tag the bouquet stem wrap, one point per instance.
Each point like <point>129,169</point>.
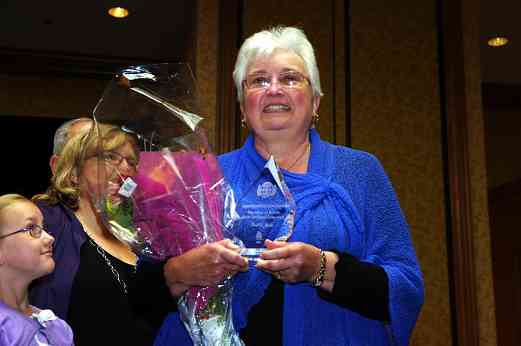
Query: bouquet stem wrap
<point>179,206</point>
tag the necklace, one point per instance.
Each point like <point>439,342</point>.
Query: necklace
<point>308,149</point>
<point>103,255</point>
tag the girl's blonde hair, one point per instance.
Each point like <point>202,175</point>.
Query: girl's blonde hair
<point>11,198</point>
<point>64,183</point>
<point>8,200</point>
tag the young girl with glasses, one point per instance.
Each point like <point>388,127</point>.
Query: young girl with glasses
<point>25,255</point>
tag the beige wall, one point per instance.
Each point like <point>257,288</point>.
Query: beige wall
<point>478,175</point>
<point>206,62</point>
<point>323,23</point>
<point>503,132</point>
<point>52,96</point>
<point>395,114</point>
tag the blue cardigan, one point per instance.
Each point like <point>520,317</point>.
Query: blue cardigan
<point>344,202</point>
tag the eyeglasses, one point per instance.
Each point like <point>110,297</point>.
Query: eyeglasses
<point>287,80</point>
<point>35,231</point>
<point>115,159</point>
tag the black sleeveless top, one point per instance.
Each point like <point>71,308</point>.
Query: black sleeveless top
<point>99,309</point>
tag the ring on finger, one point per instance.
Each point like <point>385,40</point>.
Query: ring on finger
<point>277,275</point>
<point>228,276</point>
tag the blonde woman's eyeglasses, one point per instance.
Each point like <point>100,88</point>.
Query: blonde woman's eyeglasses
<point>115,159</point>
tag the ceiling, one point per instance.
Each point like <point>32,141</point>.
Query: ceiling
<point>84,32</point>
<point>501,90</point>
<point>166,33</point>
<point>501,65</point>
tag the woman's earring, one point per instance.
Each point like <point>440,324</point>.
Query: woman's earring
<point>74,178</point>
<point>243,123</point>
<point>315,119</point>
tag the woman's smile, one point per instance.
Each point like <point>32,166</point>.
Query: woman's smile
<point>276,108</point>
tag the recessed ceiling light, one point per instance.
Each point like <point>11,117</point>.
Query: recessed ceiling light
<point>118,12</point>
<point>498,41</point>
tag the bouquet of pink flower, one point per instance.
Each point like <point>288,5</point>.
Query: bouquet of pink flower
<point>175,200</point>
<point>178,206</point>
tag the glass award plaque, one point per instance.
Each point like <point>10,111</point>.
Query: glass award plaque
<point>266,210</point>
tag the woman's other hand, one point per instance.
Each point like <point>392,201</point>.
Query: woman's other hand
<point>206,265</point>
<point>296,262</point>
<point>290,262</point>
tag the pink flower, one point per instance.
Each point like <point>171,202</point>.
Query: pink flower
<point>178,205</point>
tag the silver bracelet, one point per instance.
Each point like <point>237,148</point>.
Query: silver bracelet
<point>319,278</point>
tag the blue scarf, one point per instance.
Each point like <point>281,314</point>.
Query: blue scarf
<point>328,217</point>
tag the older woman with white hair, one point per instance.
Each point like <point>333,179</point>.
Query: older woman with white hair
<point>349,274</point>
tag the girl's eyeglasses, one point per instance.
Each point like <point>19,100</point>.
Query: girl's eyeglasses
<point>35,231</point>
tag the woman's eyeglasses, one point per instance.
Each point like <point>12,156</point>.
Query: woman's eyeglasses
<point>34,231</point>
<point>287,80</point>
<point>115,159</point>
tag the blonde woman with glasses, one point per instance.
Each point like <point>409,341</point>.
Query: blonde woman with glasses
<point>96,284</point>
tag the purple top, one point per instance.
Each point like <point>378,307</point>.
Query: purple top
<point>54,290</point>
<point>42,329</point>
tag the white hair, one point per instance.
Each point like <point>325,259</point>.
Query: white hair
<point>263,43</point>
<point>61,136</point>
